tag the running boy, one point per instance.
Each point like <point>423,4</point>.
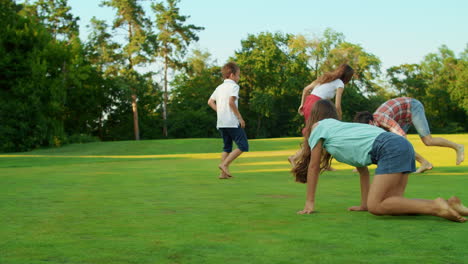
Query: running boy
<point>230,124</point>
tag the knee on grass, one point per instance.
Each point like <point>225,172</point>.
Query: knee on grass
<point>375,209</point>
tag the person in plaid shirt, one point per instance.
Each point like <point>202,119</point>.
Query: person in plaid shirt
<point>397,115</point>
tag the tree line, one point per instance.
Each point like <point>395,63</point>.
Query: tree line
<point>56,88</point>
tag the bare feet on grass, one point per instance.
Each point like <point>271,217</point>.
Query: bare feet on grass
<point>223,176</point>
<point>445,211</point>
<point>330,169</point>
<point>224,170</point>
<point>460,154</point>
<point>424,167</point>
<point>457,205</point>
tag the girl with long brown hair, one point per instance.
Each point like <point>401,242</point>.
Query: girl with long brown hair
<point>360,145</point>
<point>327,86</point>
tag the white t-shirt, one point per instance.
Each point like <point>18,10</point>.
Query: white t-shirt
<point>221,95</point>
<point>327,90</point>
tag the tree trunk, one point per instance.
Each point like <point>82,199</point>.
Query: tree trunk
<point>136,129</point>
<point>259,122</point>
<point>165,98</point>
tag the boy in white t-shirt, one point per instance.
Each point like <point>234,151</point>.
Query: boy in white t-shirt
<point>230,124</point>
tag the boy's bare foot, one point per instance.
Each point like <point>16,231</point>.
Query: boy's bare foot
<point>330,169</point>
<point>445,211</point>
<point>424,167</point>
<point>291,160</point>
<point>457,205</point>
<point>460,154</point>
<point>222,176</point>
<point>224,169</point>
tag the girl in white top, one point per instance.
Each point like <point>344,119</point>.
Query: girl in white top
<point>327,86</point>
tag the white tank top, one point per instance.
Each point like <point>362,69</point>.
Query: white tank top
<point>327,90</point>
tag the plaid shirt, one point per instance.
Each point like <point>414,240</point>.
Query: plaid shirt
<point>394,114</point>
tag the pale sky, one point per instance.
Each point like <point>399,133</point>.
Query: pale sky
<point>396,31</point>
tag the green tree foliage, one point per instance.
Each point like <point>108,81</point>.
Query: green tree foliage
<point>173,38</point>
<point>86,93</point>
<point>444,110</point>
<point>191,117</point>
<point>102,51</point>
<point>131,17</point>
<point>408,80</point>
<point>459,89</point>
<point>117,124</point>
<point>316,50</point>
<point>32,95</point>
<point>56,16</point>
<point>272,79</point>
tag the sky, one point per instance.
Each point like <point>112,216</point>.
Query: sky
<point>396,31</point>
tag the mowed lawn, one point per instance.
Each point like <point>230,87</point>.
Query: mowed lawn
<point>161,202</point>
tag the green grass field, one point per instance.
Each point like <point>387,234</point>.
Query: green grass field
<point>161,202</point>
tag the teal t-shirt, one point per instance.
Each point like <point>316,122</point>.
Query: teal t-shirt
<point>350,143</point>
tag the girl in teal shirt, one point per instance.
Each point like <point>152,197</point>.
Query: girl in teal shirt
<point>360,145</point>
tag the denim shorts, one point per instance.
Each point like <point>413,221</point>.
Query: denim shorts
<point>418,118</point>
<point>392,154</point>
<point>236,134</point>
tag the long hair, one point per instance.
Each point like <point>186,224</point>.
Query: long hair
<point>344,72</point>
<point>322,109</point>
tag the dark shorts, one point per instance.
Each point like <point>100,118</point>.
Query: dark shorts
<point>392,154</point>
<point>236,134</point>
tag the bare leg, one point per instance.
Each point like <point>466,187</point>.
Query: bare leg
<point>460,154</point>
<point>425,165</point>
<point>384,199</point>
<point>442,142</point>
<point>223,175</point>
<point>224,165</point>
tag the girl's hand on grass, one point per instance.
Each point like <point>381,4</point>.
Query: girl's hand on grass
<point>308,208</point>
<point>357,208</point>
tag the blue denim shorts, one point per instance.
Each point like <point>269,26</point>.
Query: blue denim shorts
<point>418,118</point>
<point>392,154</point>
<point>236,134</point>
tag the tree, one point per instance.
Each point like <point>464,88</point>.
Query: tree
<point>459,88</point>
<point>131,17</point>
<point>271,84</point>
<point>104,56</point>
<point>173,37</point>
<point>191,115</point>
<point>444,109</point>
<point>316,50</point>
<point>102,51</point>
<point>56,16</point>
<point>31,83</point>
<point>408,80</point>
